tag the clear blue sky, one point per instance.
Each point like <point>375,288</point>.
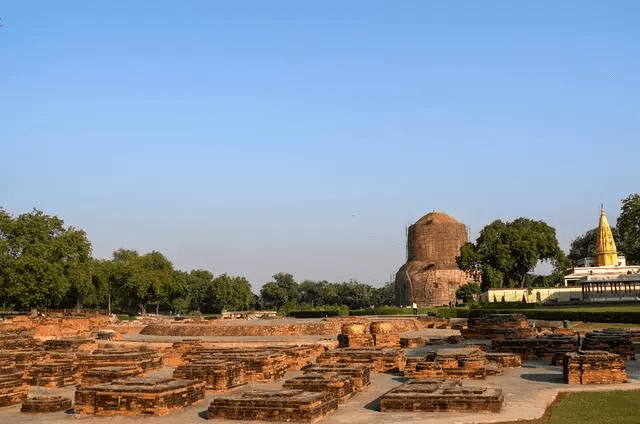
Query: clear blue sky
<point>255,137</point>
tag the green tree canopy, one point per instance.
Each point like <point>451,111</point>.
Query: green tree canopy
<point>41,260</point>
<point>506,252</point>
<point>584,246</point>
<point>231,293</point>
<point>628,225</point>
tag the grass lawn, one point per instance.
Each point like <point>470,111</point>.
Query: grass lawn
<point>615,407</point>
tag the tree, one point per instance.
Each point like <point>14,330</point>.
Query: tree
<point>506,252</point>
<point>141,280</point>
<point>466,292</point>
<point>41,260</point>
<point>628,225</point>
<point>231,293</point>
<point>584,246</point>
<point>281,291</point>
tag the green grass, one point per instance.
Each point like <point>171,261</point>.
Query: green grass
<point>615,407</point>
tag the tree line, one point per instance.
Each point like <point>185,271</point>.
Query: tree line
<point>44,264</point>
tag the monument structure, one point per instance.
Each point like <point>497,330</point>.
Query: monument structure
<point>431,275</point>
<point>605,277</point>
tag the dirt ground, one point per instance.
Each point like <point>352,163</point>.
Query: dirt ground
<point>528,391</point>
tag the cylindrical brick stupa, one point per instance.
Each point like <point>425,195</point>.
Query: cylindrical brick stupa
<point>431,275</point>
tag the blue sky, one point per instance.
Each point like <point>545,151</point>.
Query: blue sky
<point>256,137</point>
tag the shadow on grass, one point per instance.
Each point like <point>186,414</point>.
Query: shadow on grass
<point>544,378</point>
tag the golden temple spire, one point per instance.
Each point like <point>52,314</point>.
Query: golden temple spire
<point>605,246</point>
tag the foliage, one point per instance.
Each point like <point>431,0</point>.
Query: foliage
<point>466,292</point>
<point>231,293</point>
<point>506,252</point>
<point>584,246</point>
<point>41,260</point>
<point>279,292</point>
<point>628,225</point>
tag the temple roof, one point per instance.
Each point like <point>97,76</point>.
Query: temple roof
<point>605,246</point>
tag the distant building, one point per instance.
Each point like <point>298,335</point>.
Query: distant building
<point>605,277</point>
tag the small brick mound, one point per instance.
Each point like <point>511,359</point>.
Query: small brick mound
<point>45,404</point>
<point>441,396</point>
<point>547,347</point>
<point>218,375</point>
<point>504,359</point>
<point>355,335</point>
<point>499,326</point>
<point>52,374</point>
<point>258,365</point>
<point>593,367</point>
<point>138,396</point>
<point>384,334</point>
<point>340,386</point>
<point>107,374</point>
<point>379,359</point>
<point>13,389</point>
<point>106,334</point>
<point>22,358</point>
<point>454,363</point>
<point>610,340</point>
<point>278,406</point>
<point>434,322</point>
<point>18,340</point>
<point>360,374</point>
<point>119,357</point>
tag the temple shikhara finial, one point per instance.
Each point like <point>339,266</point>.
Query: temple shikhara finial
<point>605,246</point>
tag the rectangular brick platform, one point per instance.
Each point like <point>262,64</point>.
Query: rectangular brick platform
<point>441,396</point>
<point>379,359</point>
<point>593,367</point>
<point>138,396</point>
<point>340,386</point>
<point>359,374</point>
<point>278,406</point>
<point>218,375</point>
<point>454,363</point>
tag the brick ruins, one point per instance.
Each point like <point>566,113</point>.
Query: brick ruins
<point>340,386</point>
<point>593,367</point>
<point>610,340</point>
<point>455,363</point>
<point>378,333</point>
<point>13,388</point>
<point>278,406</point>
<point>499,326</point>
<point>551,347</point>
<point>433,395</point>
<point>40,404</point>
<point>360,374</point>
<point>379,359</point>
<point>138,396</point>
<point>431,275</point>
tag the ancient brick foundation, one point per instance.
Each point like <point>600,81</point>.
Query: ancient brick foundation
<point>610,340</point>
<point>593,367</point>
<point>13,389</point>
<point>100,375</point>
<point>360,374</point>
<point>504,359</point>
<point>40,404</point>
<point>339,386</point>
<point>278,406</point>
<point>379,359</point>
<point>441,396</point>
<point>138,396</point>
<point>461,363</point>
<point>218,375</point>
<point>547,347</point>
<point>499,326</point>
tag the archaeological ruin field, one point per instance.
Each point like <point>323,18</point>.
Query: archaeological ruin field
<point>262,368</point>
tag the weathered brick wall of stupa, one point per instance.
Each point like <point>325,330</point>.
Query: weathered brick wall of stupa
<point>431,276</point>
